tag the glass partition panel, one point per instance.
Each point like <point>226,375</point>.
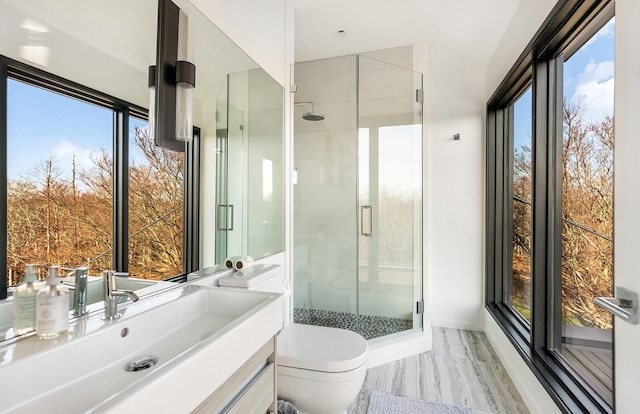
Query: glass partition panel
<point>325,193</point>
<point>390,198</point>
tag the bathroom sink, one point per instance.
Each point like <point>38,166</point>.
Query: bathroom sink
<point>197,336</point>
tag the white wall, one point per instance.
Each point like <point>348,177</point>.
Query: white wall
<point>627,197</point>
<point>454,177</point>
<point>258,27</point>
<point>524,24</point>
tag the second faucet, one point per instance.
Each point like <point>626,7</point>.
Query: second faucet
<point>111,294</point>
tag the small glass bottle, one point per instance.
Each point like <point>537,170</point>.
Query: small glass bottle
<point>24,302</point>
<point>52,307</point>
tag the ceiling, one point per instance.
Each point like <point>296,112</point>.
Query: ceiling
<point>471,28</point>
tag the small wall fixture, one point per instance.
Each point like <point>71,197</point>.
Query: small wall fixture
<point>174,79</point>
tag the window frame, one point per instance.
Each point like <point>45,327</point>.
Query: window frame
<point>122,110</point>
<point>569,25</point>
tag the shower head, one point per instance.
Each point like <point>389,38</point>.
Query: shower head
<point>310,116</point>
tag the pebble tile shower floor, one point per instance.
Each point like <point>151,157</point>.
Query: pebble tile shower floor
<point>370,326</point>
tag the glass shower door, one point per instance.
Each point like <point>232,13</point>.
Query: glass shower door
<point>390,198</point>
<point>325,194</point>
<point>222,159</point>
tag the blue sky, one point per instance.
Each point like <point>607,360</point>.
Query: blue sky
<point>42,124</point>
<point>588,77</point>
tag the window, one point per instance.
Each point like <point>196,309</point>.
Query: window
<point>59,181</point>
<point>84,185</point>
<point>520,287</point>
<point>550,205</point>
<point>156,206</point>
<point>587,211</point>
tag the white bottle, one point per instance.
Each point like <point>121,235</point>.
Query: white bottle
<point>24,302</point>
<point>52,307</point>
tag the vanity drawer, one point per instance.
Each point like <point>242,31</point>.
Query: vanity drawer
<point>258,397</point>
<point>251,389</point>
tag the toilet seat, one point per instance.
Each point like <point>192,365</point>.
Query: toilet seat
<point>320,349</point>
<point>321,376</point>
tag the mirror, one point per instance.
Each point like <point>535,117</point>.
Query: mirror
<point>108,47</point>
<point>249,195</point>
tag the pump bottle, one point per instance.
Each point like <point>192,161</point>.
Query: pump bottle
<point>24,302</point>
<point>52,307</point>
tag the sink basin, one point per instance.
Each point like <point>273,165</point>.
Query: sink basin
<point>198,336</point>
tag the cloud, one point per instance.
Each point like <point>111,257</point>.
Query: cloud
<point>64,152</point>
<point>594,90</point>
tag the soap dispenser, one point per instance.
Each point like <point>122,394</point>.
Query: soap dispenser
<point>24,302</point>
<point>52,307</point>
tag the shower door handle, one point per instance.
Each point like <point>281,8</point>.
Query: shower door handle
<point>369,232</point>
<point>230,227</point>
<point>219,212</point>
<point>223,211</point>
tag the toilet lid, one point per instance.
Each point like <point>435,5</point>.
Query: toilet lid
<point>320,348</point>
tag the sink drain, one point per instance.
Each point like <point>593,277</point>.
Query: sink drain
<point>141,363</point>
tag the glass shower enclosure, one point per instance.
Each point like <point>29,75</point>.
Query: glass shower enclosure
<point>358,196</point>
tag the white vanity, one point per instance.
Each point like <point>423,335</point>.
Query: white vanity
<point>188,348</point>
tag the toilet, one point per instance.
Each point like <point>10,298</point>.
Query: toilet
<point>319,369</point>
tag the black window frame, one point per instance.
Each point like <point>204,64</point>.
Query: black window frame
<point>569,25</point>
<point>122,110</point>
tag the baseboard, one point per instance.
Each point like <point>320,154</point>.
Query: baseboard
<point>468,326</point>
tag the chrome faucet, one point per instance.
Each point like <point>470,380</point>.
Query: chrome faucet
<point>79,290</point>
<point>111,294</point>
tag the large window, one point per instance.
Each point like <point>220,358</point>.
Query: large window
<point>59,181</point>
<point>85,186</point>
<point>550,205</point>
<point>587,210</point>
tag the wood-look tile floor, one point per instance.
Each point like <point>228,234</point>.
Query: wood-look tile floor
<point>462,369</point>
